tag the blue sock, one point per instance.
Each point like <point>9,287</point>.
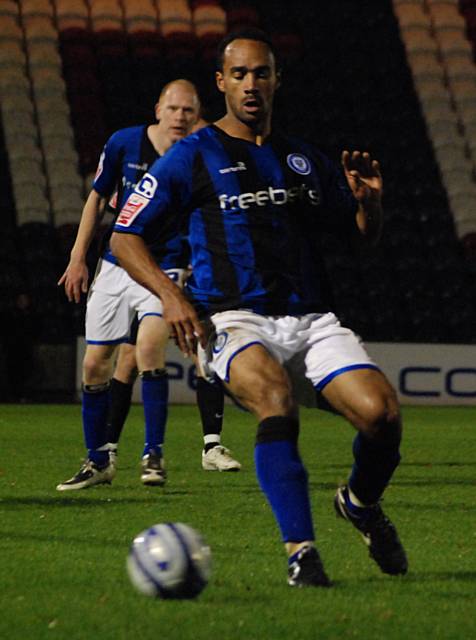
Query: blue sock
<point>283,478</point>
<point>155,396</point>
<point>375,461</point>
<point>95,407</point>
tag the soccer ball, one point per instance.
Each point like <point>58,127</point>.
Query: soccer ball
<point>169,560</point>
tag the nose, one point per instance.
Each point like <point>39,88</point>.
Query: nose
<point>250,82</point>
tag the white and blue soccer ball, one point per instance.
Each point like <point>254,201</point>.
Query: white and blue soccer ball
<point>169,560</point>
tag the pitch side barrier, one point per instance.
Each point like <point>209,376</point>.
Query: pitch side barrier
<point>423,374</point>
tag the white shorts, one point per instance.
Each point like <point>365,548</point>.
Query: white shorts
<point>315,348</point>
<point>114,299</point>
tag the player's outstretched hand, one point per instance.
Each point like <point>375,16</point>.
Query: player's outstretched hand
<point>185,327</point>
<point>363,175</point>
<point>75,280</point>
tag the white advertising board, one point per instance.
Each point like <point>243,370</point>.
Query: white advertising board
<point>424,374</point>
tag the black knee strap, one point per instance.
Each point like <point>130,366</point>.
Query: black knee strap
<point>277,428</point>
<point>153,374</point>
<point>96,388</point>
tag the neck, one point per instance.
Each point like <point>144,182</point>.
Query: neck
<point>238,129</point>
<point>160,142</point>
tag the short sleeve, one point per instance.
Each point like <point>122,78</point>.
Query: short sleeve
<point>105,180</point>
<point>164,190</point>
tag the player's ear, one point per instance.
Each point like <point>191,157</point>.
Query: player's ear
<point>278,78</point>
<point>220,81</point>
<point>157,110</point>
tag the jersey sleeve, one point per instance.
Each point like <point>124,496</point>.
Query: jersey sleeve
<point>163,191</point>
<point>105,180</point>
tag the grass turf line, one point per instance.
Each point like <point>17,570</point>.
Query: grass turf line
<point>63,555</point>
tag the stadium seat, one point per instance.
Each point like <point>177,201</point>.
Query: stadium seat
<point>140,15</point>
<point>44,55</point>
<point>71,14</point>
<point>11,55</point>
<point>39,29</point>
<point>106,15</point>
<point>445,16</point>
<point>36,8</point>
<point>411,16</point>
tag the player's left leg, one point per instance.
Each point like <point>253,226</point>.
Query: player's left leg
<point>152,340</point>
<point>366,398</point>
<point>120,395</point>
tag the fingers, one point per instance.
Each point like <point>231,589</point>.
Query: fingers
<point>62,279</point>
<point>185,337</point>
<point>187,334</point>
<point>359,163</point>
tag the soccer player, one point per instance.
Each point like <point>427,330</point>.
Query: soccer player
<point>114,299</point>
<point>253,202</point>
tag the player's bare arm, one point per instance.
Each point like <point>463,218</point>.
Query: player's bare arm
<point>135,258</point>
<point>364,178</point>
<point>75,277</point>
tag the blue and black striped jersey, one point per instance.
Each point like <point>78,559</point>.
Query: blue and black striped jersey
<point>252,215</point>
<point>126,157</point>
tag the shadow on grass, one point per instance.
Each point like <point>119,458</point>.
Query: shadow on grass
<point>62,539</point>
<point>460,507</point>
<point>79,501</point>
<point>423,465</point>
<point>414,577</point>
<point>433,482</point>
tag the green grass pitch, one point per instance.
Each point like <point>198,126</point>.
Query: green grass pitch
<point>62,556</point>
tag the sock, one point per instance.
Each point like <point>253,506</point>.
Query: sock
<point>283,478</point>
<point>296,555</point>
<point>95,405</point>
<point>211,440</point>
<point>211,401</point>
<point>353,504</point>
<point>375,462</point>
<point>120,402</point>
<point>155,395</point>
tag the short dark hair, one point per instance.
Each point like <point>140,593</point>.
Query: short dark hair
<point>245,33</point>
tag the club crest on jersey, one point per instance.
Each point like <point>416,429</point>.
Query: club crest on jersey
<point>299,163</point>
<point>134,205</point>
<point>147,186</point>
<point>220,342</point>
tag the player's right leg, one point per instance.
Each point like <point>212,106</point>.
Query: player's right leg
<point>260,383</point>
<point>97,469</point>
<point>108,320</point>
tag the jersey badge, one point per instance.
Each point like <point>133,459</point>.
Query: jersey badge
<point>299,163</point>
<point>147,186</point>
<point>220,342</point>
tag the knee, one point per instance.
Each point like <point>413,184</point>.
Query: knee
<point>150,355</point>
<point>273,396</point>
<point>95,370</point>
<point>380,418</point>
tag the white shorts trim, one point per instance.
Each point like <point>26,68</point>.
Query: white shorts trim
<point>313,347</point>
<point>114,299</point>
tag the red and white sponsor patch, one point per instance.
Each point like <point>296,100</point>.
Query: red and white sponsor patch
<point>133,206</point>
